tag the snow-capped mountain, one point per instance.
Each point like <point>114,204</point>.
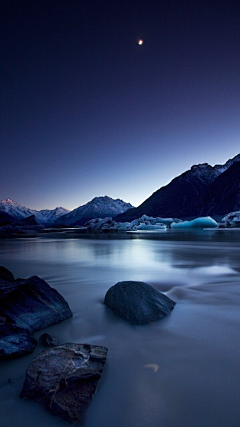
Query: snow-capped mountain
<point>45,216</point>
<point>99,207</point>
<point>200,191</point>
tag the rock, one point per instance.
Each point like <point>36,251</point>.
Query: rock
<point>138,302</point>
<point>5,274</point>
<point>32,303</point>
<point>64,378</point>
<point>47,340</point>
<point>15,341</point>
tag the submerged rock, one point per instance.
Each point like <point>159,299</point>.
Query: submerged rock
<point>32,303</point>
<point>47,340</point>
<point>138,302</point>
<point>64,378</point>
<point>15,341</point>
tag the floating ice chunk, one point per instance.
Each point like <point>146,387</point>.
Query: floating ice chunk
<point>232,219</point>
<point>202,222</point>
<point>151,220</point>
<point>149,227</point>
<point>145,223</point>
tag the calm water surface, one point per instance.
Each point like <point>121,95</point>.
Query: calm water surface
<point>195,350</point>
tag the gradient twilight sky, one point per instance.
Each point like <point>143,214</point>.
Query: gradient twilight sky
<point>86,111</point>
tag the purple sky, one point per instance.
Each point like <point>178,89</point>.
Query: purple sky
<point>86,111</point>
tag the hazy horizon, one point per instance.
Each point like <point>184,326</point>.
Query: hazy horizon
<point>101,195</point>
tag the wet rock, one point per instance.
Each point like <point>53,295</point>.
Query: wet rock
<point>64,378</point>
<point>15,341</point>
<point>32,303</point>
<point>47,340</point>
<point>5,274</point>
<point>138,302</point>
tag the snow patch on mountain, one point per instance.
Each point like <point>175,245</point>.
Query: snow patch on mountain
<point>45,216</point>
<point>207,173</point>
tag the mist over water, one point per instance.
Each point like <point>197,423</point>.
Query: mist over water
<point>182,371</point>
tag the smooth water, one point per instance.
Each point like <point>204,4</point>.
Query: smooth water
<point>182,371</point>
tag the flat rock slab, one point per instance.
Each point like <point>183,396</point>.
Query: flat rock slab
<point>15,341</point>
<point>31,303</point>
<point>138,302</point>
<point>64,378</point>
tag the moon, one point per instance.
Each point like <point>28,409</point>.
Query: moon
<point>140,42</point>
<point>153,366</point>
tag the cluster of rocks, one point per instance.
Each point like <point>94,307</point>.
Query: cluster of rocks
<point>64,377</point>
<point>26,305</point>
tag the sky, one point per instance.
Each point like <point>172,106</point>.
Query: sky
<point>86,111</point>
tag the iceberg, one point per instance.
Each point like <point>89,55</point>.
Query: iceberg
<point>150,227</point>
<point>148,223</point>
<point>145,223</point>
<point>200,223</point>
<point>232,219</point>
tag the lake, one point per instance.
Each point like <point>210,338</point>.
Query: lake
<point>182,371</point>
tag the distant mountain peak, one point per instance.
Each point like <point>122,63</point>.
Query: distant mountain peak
<point>19,212</point>
<point>98,207</point>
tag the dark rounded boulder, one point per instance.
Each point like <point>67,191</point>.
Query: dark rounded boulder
<point>138,302</point>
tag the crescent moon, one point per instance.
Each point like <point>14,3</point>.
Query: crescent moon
<point>153,366</point>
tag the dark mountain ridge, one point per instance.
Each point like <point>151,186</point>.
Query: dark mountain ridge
<point>200,191</point>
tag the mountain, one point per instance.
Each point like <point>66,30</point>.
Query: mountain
<point>99,207</point>
<point>202,190</point>
<point>19,212</point>
<point>5,218</point>
<point>223,195</point>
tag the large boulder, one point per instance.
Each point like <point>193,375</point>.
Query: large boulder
<point>138,302</point>
<point>15,341</point>
<point>64,378</point>
<point>31,303</point>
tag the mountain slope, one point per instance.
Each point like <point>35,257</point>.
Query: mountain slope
<point>186,195</point>
<point>223,195</point>
<point>99,207</point>
<point>18,212</point>
<point>5,218</point>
